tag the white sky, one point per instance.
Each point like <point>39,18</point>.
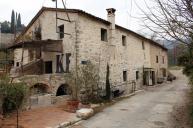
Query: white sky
<point>126,9</point>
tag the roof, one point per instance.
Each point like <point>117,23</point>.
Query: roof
<point>89,15</point>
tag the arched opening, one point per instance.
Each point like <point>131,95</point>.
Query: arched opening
<point>64,89</point>
<point>39,88</point>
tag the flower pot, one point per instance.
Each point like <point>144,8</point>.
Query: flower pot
<point>72,105</point>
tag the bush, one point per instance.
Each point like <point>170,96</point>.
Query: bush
<point>12,94</point>
<point>191,79</point>
<point>87,77</point>
<point>188,69</point>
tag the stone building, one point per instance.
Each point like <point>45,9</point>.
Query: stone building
<point>6,39</point>
<point>51,47</point>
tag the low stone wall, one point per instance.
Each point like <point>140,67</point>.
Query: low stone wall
<point>46,100</point>
<point>60,99</point>
<point>125,88</point>
<point>40,100</point>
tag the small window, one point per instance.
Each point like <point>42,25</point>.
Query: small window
<point>137,75</point>
<point>48,67</point>
<point>17,64</point>
<point>124,75</point>
<point>104,34</point>
<point>124,40</point>
<point>163,60</point>
<point>157,59</point>
<point>143,45</point>
<point>61,31</point>
<point>84,62</point>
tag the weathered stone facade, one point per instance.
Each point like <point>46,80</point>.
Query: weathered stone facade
<point>126,52</point>
<point>6,39</point>
<point>159,61</point>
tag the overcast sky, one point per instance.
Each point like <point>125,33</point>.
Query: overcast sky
<point>126,9</point>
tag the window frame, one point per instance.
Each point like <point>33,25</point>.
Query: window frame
<point>157,59</point>
<point>104,35</point>
<point>124,40</point>
<point>143,45</point>
<point>17,64</point>
<point>61,33</point>
<point>124,76</point>
<point>137,75</point>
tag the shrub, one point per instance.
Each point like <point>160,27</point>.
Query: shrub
<point>12,94</point>
<point>188,69</point>
<point>87,78</point>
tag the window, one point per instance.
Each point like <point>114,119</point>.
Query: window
<point>163,59</point>
<point>17,64</point>
<point>104,34</point>
<point>124,75</point>
<point>48,67</point>
<point>157,59</point>
<point>137,75</point>
<point>143,45</point>
<point>84,62</point>
<point>124,40</point>
<point>61,31</point>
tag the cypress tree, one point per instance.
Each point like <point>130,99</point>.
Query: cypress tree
<point>12,21</point>
<point>108,88</point>
<point>19,21</point>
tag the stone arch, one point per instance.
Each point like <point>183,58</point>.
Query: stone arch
<point>63,89</point>
<point>39,88</point>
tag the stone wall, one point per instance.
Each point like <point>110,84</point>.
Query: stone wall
<point>162,64</point>
<point>6,38</point>
<point>130,58</point>
<point>51,82</point>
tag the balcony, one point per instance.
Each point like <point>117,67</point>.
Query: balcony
<point>32,56</point>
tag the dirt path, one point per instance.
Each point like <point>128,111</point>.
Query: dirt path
<point>157,107</point>
<point>39,118</point>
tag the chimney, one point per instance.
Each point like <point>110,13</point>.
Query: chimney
<point>111,17</point>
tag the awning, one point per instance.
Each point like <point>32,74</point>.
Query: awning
<point>45,45</point>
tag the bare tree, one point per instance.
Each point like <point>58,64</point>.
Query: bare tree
<point>171,19</point>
